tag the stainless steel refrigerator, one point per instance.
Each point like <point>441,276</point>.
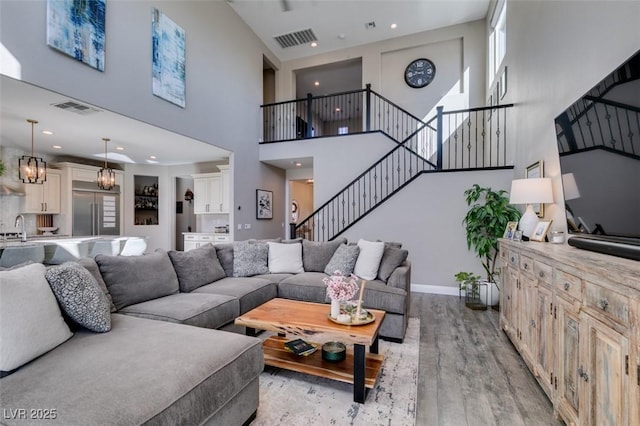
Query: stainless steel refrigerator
<point>95,211</point>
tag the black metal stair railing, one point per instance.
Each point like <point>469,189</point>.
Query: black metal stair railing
<point>337,114</point>
<point>593,123</point>
<point>460,140</point>
<point>474,138</point>
<point>366,192</point>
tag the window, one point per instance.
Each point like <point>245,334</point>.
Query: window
<point>497,39</point>
<point>343,130</point>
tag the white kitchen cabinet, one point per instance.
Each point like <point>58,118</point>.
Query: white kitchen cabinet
<point>195,240</point>
<point>45,198</point>
<point>211,192</point>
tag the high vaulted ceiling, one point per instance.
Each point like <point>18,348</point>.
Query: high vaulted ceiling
<point>338,24</point>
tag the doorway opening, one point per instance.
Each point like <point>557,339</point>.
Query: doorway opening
<point>301,204</point>
<point>185,216</point>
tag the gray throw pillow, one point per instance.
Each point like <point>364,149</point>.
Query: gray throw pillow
<point>250,259</point>
<point>225,256</point>
<point>80,296</point>
<point>90,265</point>
<point>197,267</point>
<point>343,260</point>
<point>316,255</point>
<point>391,259</point>
<point>135,279</point>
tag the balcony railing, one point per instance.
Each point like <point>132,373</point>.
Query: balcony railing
<point>351,112</point>
<point>452,140</point>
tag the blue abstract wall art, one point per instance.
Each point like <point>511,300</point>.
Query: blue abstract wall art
<point>168,59</point>
<point>76,28</point>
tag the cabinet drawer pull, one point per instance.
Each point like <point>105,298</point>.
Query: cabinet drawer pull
<point>526,266</point>
<point>513,259</point>
<point>603,304</point>
<point>541,274</point>
<point>566,286</point>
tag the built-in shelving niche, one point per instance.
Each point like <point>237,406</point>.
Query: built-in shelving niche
<point>145,200</point>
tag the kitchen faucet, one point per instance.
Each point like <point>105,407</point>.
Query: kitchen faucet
<point>23,228</point>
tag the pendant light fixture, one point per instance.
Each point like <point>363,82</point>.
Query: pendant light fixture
<point>32,169</point>
<point>106,176</point>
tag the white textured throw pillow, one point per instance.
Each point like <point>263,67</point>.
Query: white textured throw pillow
<point>369,259</point>
<point>30,320</point>
<point>285,258</point>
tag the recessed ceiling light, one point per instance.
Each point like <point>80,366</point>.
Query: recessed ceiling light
<point>298,164</point>
<point>120,148</point>
<point>47,132</point>
<point>341,36</point>
<point>56,147</point>
<point>394,26</point>
<point>337,109</point>
<point>153,157</point>
<point>314,44</point>
<point>317,83</point>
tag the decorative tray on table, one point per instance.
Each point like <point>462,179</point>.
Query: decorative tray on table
<point>368,319</point>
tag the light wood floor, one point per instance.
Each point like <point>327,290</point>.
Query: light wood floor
<point>469,373</point>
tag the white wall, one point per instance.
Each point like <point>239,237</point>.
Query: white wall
<point>223,81</point>
<point>426,217</point>
<point>336,160</point>
<point>457,51</point>
<point>556,51</point>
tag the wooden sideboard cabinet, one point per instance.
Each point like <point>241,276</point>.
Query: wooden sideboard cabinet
<point>574,317</point>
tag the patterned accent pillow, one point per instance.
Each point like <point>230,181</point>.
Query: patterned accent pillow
<point>250,259</point>
<point>80,296</point>
<point>343,260</point>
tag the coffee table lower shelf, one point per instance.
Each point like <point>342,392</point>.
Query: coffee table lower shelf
<point>276,355</point>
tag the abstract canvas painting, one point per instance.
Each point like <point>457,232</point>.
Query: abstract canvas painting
<point>168,59</point>
<point>76,28</point>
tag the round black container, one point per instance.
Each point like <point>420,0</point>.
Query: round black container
<point>334,351</point>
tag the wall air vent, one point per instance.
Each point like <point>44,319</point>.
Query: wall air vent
<point>76,107</point>
<point>296,38</point>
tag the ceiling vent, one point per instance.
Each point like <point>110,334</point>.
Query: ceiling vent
<point>76,107</point>
<point>296,38</point>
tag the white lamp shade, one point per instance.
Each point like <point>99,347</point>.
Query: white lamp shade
<point>570,187</point>
<point>531,191</point>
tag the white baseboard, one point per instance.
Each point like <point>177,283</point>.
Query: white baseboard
<point>435,289</point>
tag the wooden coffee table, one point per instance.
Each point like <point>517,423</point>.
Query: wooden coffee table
<point>310,321</point>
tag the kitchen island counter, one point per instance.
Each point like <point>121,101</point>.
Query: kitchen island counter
<point>58,249</point>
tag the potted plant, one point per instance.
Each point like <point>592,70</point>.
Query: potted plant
<point>485,222</point>
<point>468,281</point>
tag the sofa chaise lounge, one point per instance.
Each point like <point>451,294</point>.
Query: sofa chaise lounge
<point>152,369</point>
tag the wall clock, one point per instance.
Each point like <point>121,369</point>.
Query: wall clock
<point>419,73</point>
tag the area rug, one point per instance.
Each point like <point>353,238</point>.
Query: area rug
<point>290,398</point>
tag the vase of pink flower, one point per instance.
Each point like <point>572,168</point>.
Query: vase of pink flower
<point>340,289</point>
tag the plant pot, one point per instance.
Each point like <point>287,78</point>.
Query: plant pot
<point>490,297</point>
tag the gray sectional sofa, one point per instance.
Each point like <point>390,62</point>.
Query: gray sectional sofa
<point>151,369</point>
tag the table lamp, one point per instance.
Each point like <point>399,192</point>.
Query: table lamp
<point>529,192</point>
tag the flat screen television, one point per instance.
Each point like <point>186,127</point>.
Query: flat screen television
<point>599,145</point>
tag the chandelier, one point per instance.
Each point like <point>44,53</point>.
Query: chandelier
<point>32,169</point>
<point>106,176</point>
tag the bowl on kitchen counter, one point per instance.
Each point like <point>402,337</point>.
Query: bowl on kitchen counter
<point>48,230</point>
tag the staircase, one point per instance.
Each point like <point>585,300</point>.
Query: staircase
<point>470,139</point>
